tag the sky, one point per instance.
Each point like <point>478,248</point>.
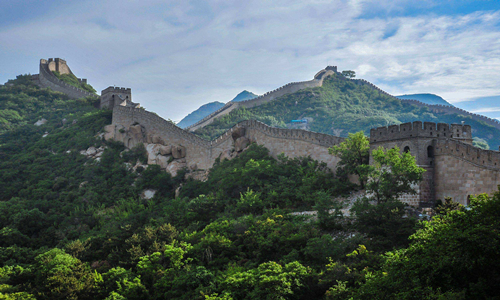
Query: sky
<point>179,55</point>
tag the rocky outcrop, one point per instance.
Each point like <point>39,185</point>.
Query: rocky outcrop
<point>171,158</point>
<point>40,122</point>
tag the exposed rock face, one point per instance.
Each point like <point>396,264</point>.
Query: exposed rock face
<point>148,194</point>
<point>40,122</point>
<point>153,151</point>
<point>175,167</point>
<point>166,150</point>
<point>168,157</point>
<point>238,132</point>
<point>93,152</point>
<point>162,161</point>
<point>178,151</point>
<point>241,143</point>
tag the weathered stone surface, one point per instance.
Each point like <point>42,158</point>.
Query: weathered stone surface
<point>193,167</point>
<point>166,150</point>
<point>156,139</point>
<point>153,151</point>
<point>120,134</point>
<point>91,151</point>
<point>148,194</point>
<point>175,167</point>
<point>40,122</point>
<point>238,132</point>
<point>109,132</point>
<point>226,154</point>
<point>241,143</point>
<point>178,151</point>
<point>162,161</point>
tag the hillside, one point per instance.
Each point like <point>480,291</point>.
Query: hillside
<point>426,98</point>
<point>245,95</point>
<point>211,107</point>
<point>200,113</point>
<point>73,223</point>
<point>341,106</point>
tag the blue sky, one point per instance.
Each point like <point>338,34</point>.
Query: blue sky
<point>179,55</point>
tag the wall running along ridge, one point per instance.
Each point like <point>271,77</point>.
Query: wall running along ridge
<point>202,153</point>
<point>289,88</point>
<point>435,108</point>
<point>46,79</point>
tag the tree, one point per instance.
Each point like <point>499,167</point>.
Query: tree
<point>455,256</point>
<point>392,174</point>
<point>354,155</point>
<point>349,73</point>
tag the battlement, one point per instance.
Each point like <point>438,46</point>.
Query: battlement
<point>116,96</point>
<point>331,68</point>
<point>426,130</point>
<point>112,89</point>
<point>46,79</point>
<point>288,88</point>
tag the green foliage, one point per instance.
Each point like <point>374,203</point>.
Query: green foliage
<point>452,257</point>
<point>354,155</point>
<point>349,74</point>
<point>340,107</point>
<point>72,227</point>
<point>392,174</point>
<point>73,80</point>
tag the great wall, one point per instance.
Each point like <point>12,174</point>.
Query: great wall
<point>454,167</point>
<point>46,79</point>
<point>289,88</point>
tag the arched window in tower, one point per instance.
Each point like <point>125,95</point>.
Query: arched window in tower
<point>406,149</point>
<point>430,152</point>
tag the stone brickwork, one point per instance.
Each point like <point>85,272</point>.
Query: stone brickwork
<point>117,96</point>
<point>454,168</point>
<point>435,108</point>
<point>46,79</point>
<point>201,154</point>
<point>289,88</point>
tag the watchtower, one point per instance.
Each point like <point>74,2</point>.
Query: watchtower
<point>421,140</point>
<point>113,96</point>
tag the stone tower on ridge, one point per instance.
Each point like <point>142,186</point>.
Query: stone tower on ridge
<point>117,96</point>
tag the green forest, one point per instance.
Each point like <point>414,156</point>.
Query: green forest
<point>72,227</point>
<point>341,106</point>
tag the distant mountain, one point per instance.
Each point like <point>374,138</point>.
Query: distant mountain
<point>245,95</point>
<point>209,108</point>
<point>488,106</point>
<point>342,106</point>
<point>426,98</point>
<point>200,113</point>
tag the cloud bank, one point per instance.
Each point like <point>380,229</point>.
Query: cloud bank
<point>177,56</point>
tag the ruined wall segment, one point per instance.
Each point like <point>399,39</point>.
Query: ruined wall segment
<point>117,96</point>
<point>435,108</point>
<point>454,167</point>
<point>289,88</point>
<point>46,79</point>
<point>463,170</point>
<point>202,153</point>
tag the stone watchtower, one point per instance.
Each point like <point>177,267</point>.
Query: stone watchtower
<point>421,141</point>
<point>114,96</point>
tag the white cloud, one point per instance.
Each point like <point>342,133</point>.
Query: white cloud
<point>177,56</point>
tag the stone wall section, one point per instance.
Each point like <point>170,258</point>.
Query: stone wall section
<point>203,153</point>
<point>454,168</point>
<point>46,79</point>
<point>289,88</point>
<point>435,108</point>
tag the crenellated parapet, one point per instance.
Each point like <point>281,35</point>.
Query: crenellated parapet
<point>288,88</point>
<point>435,108</point>
<point>481,158</point>
<point>46,79</point>
<point>416,129</point>
<point>117,96</point>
